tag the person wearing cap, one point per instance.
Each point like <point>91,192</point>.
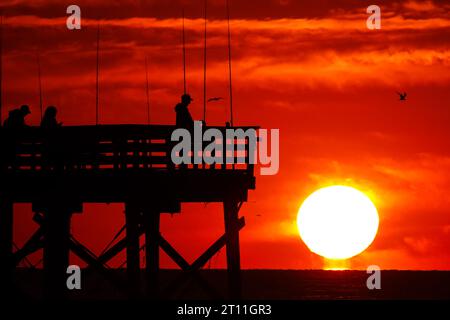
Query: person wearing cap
<point>15,121</point>
<point>184,118</point>
<point>16,118</point>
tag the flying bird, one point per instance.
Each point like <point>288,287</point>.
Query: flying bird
<point>402,96</point>
<point>215,99</point>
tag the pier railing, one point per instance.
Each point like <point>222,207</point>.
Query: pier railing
<point>111,147</point>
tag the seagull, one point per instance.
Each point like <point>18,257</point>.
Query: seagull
<point>215,99</point>
<point>402,96</point>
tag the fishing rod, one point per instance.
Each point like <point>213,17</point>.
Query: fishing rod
<point>1,68</point>
<point>184,57</point>
<point>147,91</point>
<point>38,60</point>
<point>97,77</point>
<point>204,64</point>
<point>229,64</point>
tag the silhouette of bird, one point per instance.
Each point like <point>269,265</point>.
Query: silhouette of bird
<point>215,99</point>
<point>402,96</point>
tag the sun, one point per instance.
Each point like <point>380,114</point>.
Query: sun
<point>337,222</point>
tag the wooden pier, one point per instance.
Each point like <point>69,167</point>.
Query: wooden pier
<point>59,171</point>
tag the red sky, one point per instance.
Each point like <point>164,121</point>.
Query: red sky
<point>310,68</point>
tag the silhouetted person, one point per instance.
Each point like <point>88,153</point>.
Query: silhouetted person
<point>15,122</point>
<point>52,159</point>
<point>49,120</point>
<point>16,118</point>
<point>184,118</point>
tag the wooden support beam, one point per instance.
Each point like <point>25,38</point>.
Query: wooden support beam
<point>198,264</point>
<point>173,254</point>
<point>113,251</point>
<point>231,217</point>
<point>85,254</point>
<point>152,235</point>
<point>117,248</point>
<point>132,217</point>
<point>6,244</point>
<point>33,244</point>
<point>56,250</point>
<point>214,248</point>
<point>91,259</point>
<point>36,242</point>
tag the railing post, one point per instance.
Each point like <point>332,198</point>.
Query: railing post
<point>147,155</point>
<point>225,149</point>
<point>96,144</point>
<point>123,153</point>
<point>132,215</point>
<point>116,154</point>
<point>231,217</point>
<point>6,244</point>
<point>136,145</point>
<point>56,249</point>
<point>152,235</point>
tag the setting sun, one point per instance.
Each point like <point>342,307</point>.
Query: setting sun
<point>337,222</point>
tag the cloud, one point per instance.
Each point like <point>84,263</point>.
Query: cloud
<point>304,52</point>
<point>314,71</point>
<point>341,22</point>
<point>421,6</point>
<point>421,246</point>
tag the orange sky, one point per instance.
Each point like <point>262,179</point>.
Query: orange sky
<point>310,68</point>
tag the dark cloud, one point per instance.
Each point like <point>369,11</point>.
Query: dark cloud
<point>272,9</point>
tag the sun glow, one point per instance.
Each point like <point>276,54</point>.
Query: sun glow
<point>337,222</point>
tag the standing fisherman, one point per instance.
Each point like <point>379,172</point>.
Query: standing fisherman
<point>184,118</point>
